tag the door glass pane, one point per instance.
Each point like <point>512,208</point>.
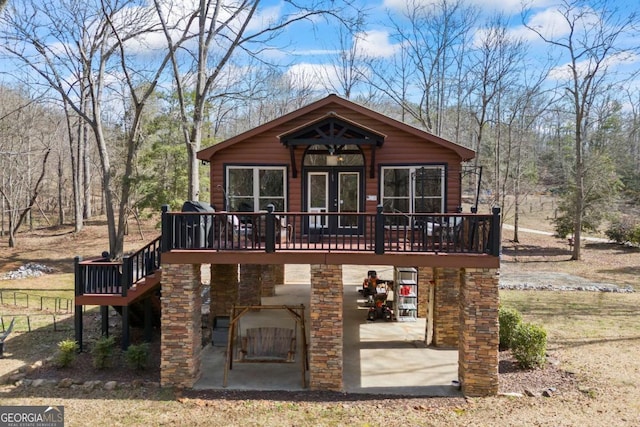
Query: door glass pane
<point>348,192</point>
<point>318,198</point>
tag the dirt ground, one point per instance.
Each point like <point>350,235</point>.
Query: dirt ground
<point>592,370</point>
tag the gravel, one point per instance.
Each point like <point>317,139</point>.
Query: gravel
<point>30,269</point>
<point>552,281</point>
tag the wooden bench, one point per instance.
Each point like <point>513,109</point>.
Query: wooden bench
<point>268,344</point>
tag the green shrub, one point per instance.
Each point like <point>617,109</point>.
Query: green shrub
<point>620,231</point>
<point>137,356</point>
<point>102,352</point>
<point>635,235</point>
<point>66,353</point>
<point>529,345</point>
<point>509,319</point>
<point>563,226</point>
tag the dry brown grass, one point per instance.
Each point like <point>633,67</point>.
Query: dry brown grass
<point>595,336</point>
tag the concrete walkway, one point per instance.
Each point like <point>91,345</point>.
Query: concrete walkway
<point>379,357</point>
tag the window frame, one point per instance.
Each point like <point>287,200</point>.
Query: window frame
<point>412,185</point>
<point>257,198</point>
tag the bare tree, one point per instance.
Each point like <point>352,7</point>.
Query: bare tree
<point>221,29</point>
<point>593,43</point>
<point>495,68</point>
<point>86,46</point>
<point>346,70</point>
<point>432,35</point>
<point>26,142</point>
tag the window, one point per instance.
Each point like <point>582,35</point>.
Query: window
<point>413,189</point>
<point>251,189</point>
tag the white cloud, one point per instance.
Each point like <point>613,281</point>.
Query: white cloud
<point>375,44</point>
<point>549,23</point>
<point>507,6</point>
<point>312,76</point>
<point>614,62</point>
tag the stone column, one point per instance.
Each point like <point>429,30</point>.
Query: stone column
<point>278,274</point>
<point>425,276</point>
<point>223,290</point>
<point>250,284</point>
<point>325,344</point>
<point>181,334</point>
<point>479,335</point>
<point>269,280</point>
<point>446,311</point>
<point>426,292</point>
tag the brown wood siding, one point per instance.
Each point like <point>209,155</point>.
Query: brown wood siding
<point>400,148</point>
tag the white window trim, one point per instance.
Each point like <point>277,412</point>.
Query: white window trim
<point>256,182</point>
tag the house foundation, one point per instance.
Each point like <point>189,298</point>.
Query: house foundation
<point>181,319</point>
<point>326,329</point>
<point>223,290</point>
<point>446,307</point>
<point>250,284</point>
<point>479,339</point>
<point>269,280</point>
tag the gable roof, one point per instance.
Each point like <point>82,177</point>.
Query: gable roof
<point>463,152</point>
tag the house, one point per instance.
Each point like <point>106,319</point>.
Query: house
<point>334,183</point>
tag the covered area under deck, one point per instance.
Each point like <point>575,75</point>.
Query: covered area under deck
<point>378,357</point>
<point>459,313</point>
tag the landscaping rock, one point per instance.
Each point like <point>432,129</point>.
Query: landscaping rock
<point>16,377</point>
<point>91,385</point>
<point>65,383</point>
<point>110,385</point>
<point>532,393</point>
<point>549,392</point>
<point>511,394</point>
<point>37,382</point>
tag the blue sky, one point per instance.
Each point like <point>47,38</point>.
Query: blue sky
<point>312,50</point>
<point>307,49</point>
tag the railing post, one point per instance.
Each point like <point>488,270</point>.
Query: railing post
<point>166,230</point>
<point>270,237</point>
<point>77,276</point>
<point>495,232</point>
<point>77,316</point>
<point>379,237</point>
<point>126,278</point>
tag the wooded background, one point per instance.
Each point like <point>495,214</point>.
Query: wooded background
<point>104,103</point>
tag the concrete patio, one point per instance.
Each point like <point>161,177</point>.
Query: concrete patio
<point>378,358</point>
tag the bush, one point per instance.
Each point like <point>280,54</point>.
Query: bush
<point>529,345</point>
<point>563,226</point>
<point>635,235</point>
<point>137,356</point>
<point>66,353</point>
<point>102,352</point>
<point>620,231</point>
<point>509,319</point>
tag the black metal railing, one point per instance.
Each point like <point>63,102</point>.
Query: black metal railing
<point>378,232</point>
<point>100,276</point>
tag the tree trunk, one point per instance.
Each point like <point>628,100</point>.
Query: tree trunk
<point>60,190</point>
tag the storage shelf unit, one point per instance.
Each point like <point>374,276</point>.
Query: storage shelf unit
<point>406,289</point>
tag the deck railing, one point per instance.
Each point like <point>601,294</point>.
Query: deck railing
<point>377,233</point>
<point>104,277</point>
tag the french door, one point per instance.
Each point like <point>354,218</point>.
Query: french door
<point>334,191</point>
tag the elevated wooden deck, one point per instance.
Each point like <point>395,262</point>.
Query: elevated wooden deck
<point>130,286</point>
<point>445,240</point>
